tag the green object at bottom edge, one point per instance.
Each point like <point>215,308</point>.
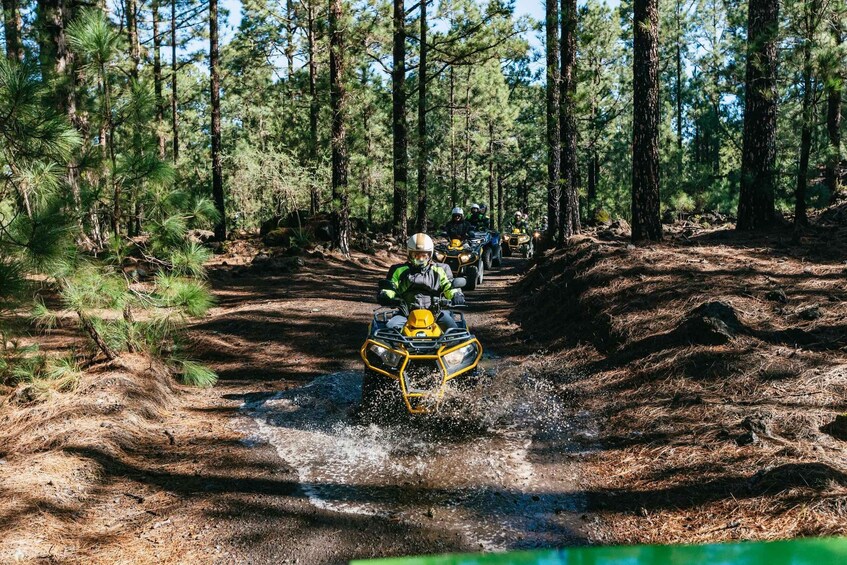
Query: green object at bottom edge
<point>806,551</point>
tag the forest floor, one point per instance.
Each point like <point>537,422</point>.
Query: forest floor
<point>617,413</point>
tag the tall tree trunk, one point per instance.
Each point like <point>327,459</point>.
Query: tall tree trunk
<point>157,79</point>
<point>338,106</point>
<point>758,154</point>
<point>569,189</point>
<point>833,118</point>
<point>500,200</point>
<point>12,29</point>
<point>131,9</point>
<point>423,140</point>
<point>289,46</point>
<point>593,173</point>
<point>491,160</point>
<point>174,69</point>
<point>678,89</point>
<point>398,121</point>
<point>800,217</point>
<point>315,192</point>
<point>553,131</point>
<point>367,184</point>
<point>646,223</point>
<point>467,167</point>
<point>454,188</point>
<point>215,79</point>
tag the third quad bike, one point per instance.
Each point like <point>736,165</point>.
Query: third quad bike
<point>465,258</point>
<point>415,362</point>
<point>520,242</point>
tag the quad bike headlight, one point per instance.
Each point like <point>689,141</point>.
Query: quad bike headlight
<point>461,358</point>
<point>465,257</point>
<point>389,358</point>
<point>439,256</point>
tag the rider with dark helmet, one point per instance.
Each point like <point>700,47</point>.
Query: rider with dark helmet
<point>418,282</point>
<point>477,218</point>
<point>458,227</point>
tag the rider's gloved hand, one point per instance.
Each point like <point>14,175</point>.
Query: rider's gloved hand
<point>458,299</point>
<point>385,299</point>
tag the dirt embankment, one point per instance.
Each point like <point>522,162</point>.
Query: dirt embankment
<point>714,365</point>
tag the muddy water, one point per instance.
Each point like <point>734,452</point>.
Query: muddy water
<point>492,467</point>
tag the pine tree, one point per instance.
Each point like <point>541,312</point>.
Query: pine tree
<point>646,223</point>
<point>756,202</point>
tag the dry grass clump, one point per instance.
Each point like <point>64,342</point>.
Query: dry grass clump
<point>51,455</point>
<point>702,442</point>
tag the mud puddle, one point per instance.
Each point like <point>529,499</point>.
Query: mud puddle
<point>493,468</point>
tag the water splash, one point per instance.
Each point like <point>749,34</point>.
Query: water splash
<point>471,468</point>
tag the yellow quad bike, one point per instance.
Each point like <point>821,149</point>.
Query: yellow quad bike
<point>464,258</point>
<point>415,363</point>
<point>520,242</point>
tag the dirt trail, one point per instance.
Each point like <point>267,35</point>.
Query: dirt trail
<point>292,476</point>
<point>270,466</point>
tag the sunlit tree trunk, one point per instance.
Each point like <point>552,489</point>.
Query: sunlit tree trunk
<point>646,222</point>
<point>157,79</point>
<point>131,13</point>
<point>569,189</point>
<point>338,105</point>
<point>174,68</point>
<point>553,131</point>
<point>315,193</point>
<point>423,141</point>
<point>217,171</point>
<point>399,126</point>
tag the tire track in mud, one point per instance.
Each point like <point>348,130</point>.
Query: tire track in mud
<point>494,467</point>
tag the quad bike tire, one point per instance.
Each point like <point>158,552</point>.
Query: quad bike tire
<point>497,260</point>
<point>376,395</point>
<point>474,276</point>
<point>529,251</point>
<point>507,251</point>
<point>487,258</point>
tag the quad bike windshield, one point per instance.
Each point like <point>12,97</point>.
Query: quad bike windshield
<point>421,357</point>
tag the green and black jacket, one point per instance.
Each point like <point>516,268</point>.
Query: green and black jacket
<point>417,286</point>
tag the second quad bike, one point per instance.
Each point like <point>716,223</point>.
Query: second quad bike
<point>416,362</point>
<point>465,258</point>
<point>520,242</point>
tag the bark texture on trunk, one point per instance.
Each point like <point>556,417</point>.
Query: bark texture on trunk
<point>553,131</point>
<point>157,79</point>
<point>423,141</point>
<point>315,194</point>
<point>174,68</point>
<point>399,126</point>
<point>800,216</point>
<point>12,30</point>
<point>833,119</point>
<point>758,154</point>
<point>646,223</point>
<point>217,171</point>
<point>338,104</point>
<point>569,190</point>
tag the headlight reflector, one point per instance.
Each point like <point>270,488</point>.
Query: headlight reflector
<point>390,358</point>
<point>465,257</point>
<point>461,358</point>
<point>439,256</point>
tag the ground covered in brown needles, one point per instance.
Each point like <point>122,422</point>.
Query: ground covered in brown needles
<point>713,366</point>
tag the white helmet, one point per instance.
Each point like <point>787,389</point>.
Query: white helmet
<point>519,214</point>
<point>416,246</point>
<point>474,207</point>
<point>457,212</point>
